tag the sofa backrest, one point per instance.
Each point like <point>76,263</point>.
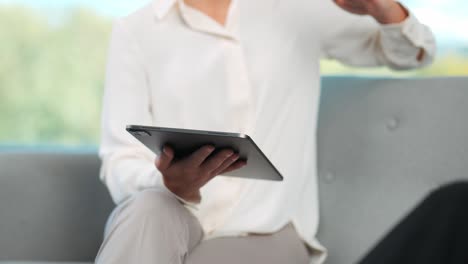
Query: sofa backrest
<point>52,205</point>
<point>382,145</point>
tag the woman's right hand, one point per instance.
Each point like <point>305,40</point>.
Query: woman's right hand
<point>185,177</point>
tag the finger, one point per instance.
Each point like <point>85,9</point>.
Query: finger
<point>214,162</point>
<point>228,162</point>
<point>198,157</point>
<point>353,2</point>
<point>163,161</point>
<point>345,3</point>
<point>354,6</point>
<point>235,166</point>
<point>208,177</point>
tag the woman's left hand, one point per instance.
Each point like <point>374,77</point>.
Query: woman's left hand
<point>384,11</point>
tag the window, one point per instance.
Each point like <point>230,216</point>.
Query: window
<point>53,54</point>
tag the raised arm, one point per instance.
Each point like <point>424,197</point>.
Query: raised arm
<point>375,33</point>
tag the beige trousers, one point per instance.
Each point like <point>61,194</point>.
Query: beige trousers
<point>153,227</point>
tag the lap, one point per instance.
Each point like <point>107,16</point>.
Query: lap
<point>282,247</point>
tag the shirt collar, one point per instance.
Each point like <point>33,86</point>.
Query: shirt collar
<point>197,21</point>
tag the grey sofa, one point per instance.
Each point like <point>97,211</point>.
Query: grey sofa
<point>383,144</point>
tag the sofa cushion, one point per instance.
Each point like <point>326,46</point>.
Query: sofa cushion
<point>41,262</point>
<point>53,206</point>
<point>383,144</point>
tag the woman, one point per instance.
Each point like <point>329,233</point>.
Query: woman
<point>239,66</point>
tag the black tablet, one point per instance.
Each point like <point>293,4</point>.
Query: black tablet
<point>185,141</point>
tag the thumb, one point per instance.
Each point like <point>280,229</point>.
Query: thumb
<point>163,161</point>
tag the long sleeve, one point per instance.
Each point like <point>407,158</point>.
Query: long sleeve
<point>362,41</point>
<point>127,166</point>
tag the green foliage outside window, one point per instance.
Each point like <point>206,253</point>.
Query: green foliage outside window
<point>51,76</point>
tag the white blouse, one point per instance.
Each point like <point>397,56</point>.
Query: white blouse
<point>171,65</point>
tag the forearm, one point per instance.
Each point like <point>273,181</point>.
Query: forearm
<point>407,45</point>
<point>393,38</point>
<point>126,172</point>
<point>394,13</point>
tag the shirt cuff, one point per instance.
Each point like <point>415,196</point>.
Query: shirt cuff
<point>188,204</point>
<point>402,42</point>
<point>409,28</point>
<point>184,202</point>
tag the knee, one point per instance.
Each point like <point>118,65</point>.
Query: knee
<point>154,203</point>
<point>456,192</point>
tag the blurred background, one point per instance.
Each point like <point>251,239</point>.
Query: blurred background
<point>53,54</point>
